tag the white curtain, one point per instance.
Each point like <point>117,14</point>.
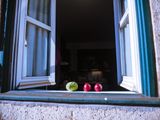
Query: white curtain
<point>37,40</point>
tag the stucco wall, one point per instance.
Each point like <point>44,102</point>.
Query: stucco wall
<point>11,110</point>
<point>52,111</point>
<point>155,12</point>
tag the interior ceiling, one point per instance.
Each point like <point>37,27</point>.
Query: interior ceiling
<point>85,20</point>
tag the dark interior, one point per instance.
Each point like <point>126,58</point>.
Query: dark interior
<point>86,43</point>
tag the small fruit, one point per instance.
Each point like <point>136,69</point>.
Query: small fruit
<point>87,87</point>
<point>71,86</point>
<point>98,87</point>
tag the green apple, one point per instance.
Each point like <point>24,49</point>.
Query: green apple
<point>71,86</point>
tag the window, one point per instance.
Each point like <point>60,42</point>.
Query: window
<point>34,50</point>
<point>128,60</point>
<point>36,47</point>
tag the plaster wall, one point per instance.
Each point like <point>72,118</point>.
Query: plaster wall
<point>51,111</point>
<point>155,12</point>
<point>11,110</point>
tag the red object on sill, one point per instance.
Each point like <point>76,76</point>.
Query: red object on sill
<point>87,87</point>
<point>98,87</point>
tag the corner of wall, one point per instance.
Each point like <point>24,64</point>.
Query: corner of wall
<point>155,14</point>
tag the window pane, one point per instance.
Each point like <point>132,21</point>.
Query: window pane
<point>39,10</point>
<point>36,52</point>
<point>126,52</point>
<point>124,6</point>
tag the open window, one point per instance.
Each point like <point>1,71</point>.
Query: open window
<point>127,47</point>
<point>36,43</point>
<point>87,44</point>
<point>105,44</point>
<point>78,39</point>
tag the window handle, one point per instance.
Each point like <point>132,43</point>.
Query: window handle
<point>25,43</point>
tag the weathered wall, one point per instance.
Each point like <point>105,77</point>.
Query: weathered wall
<point>10,110</point>
<point>155,11</point>
<point>52,111</point>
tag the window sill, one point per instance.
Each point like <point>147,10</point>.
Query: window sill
<point>80,97</point>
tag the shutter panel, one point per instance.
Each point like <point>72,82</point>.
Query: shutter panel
<point>37,44</point>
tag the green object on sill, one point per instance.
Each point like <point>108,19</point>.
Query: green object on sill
<point>71,86</point>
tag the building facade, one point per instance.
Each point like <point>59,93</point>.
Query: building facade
<point>11,110</point>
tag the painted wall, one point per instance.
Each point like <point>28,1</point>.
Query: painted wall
<point>11,110</point>
<point>155,12</point>
<point>52,111</point>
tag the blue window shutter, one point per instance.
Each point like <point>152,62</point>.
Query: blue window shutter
<point>146,48</point>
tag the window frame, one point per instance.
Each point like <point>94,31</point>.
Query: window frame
<point>146,45</point>
<point>141,8</point>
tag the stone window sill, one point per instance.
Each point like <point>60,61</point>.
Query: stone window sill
<point>80,97</point>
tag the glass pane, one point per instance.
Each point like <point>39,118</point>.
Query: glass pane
<point>126,52</point>
<point>124,6</point>
<point>36,52</point>
<point>39,10</point>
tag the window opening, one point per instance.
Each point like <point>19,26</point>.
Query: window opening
<point>86,44</point>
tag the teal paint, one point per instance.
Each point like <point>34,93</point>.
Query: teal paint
<point>1,58</point>
<point>146,48</point>
<point>81,98</point>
